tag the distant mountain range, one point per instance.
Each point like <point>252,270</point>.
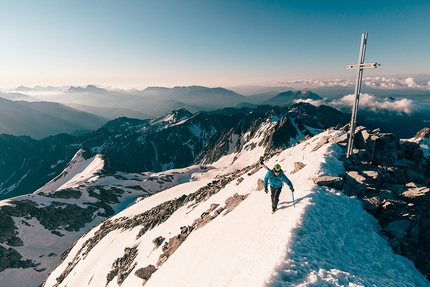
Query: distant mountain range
<point>174,140</point>
<point>42,119</point>
<point>88,108</point>
<point>40,112</point>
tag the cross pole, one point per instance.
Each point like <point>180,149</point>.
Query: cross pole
<point>359,67</point>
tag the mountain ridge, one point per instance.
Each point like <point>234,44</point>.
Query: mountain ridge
<point>33,163</point>
<point>219,203</point>
<point>103,192</point>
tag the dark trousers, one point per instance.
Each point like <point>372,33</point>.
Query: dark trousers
<point>275,196</point>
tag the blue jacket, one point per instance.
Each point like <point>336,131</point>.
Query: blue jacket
<point>276,181</point>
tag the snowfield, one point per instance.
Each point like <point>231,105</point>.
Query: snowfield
<point>327,239</point>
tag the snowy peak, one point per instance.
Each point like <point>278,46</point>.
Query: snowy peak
<point>423,134</point>
<point>423,139</point>
<point>173,118</point>
<point>80,170</point>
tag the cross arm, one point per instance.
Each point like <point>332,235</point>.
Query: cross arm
<point>362,66</point>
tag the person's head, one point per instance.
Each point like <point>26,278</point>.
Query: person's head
<point>277,168</point>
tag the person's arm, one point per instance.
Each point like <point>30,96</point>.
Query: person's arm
<point>287,181</point>
<point>266,179</point>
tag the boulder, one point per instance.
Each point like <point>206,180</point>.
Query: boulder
<point>330,181</point>
<point>414,176</point>
<point>371,204</point>
<point>398,228</point>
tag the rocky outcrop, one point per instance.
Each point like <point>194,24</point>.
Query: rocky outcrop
<point>123,266</point>
<point>145,273</point>
<point>392,180</point>
<point>170,247</point>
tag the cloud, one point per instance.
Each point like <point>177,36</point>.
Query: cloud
<point>401,82</point>
<point>396,83</point>
<point>374,104</point>
<point>370,102</point>
<point>318,83</point>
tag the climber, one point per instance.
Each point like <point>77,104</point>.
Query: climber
<point>275,177</point>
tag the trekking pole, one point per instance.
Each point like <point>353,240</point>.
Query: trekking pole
<point>292,196</point>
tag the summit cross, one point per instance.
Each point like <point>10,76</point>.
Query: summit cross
<point>359,67</point>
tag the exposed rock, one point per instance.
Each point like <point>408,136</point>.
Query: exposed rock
<point>298,166</point>
<point>417,194</point>
<point>206,217</point>
<point>423,133</point>
<point>260,184</point>
<point>330,181</point>
<point>233,201</point>
<point>359,138</point>
<point>398,229</point>
<point>354,176</point>
<point>371,204</point>
<point>145,273</point>
<point>414,176</point>
<point>322,142</point>
<point>64,193</point>
<point>170,247</point>
<point>123,266</point>
<point>158,241</point>
<point>392,187</point>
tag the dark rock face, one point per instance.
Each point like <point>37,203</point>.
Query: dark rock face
<point>69,216</point>
<point>395,191</point>
<point>10,258</point>
<point>27,164</point>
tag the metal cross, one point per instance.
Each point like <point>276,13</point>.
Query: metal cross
<point>359,67</point>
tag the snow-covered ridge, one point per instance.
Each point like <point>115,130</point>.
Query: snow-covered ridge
<point>326,239</point>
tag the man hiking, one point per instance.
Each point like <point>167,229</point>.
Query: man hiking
<point>275,177</point>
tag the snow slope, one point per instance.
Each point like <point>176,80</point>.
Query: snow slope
<point>43,246</point>
<point>326,239</point>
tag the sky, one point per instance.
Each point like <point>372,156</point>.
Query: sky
<point>140,43</point>
<point>324,239</point>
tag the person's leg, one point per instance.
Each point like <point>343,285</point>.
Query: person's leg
<point>275,197</point>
